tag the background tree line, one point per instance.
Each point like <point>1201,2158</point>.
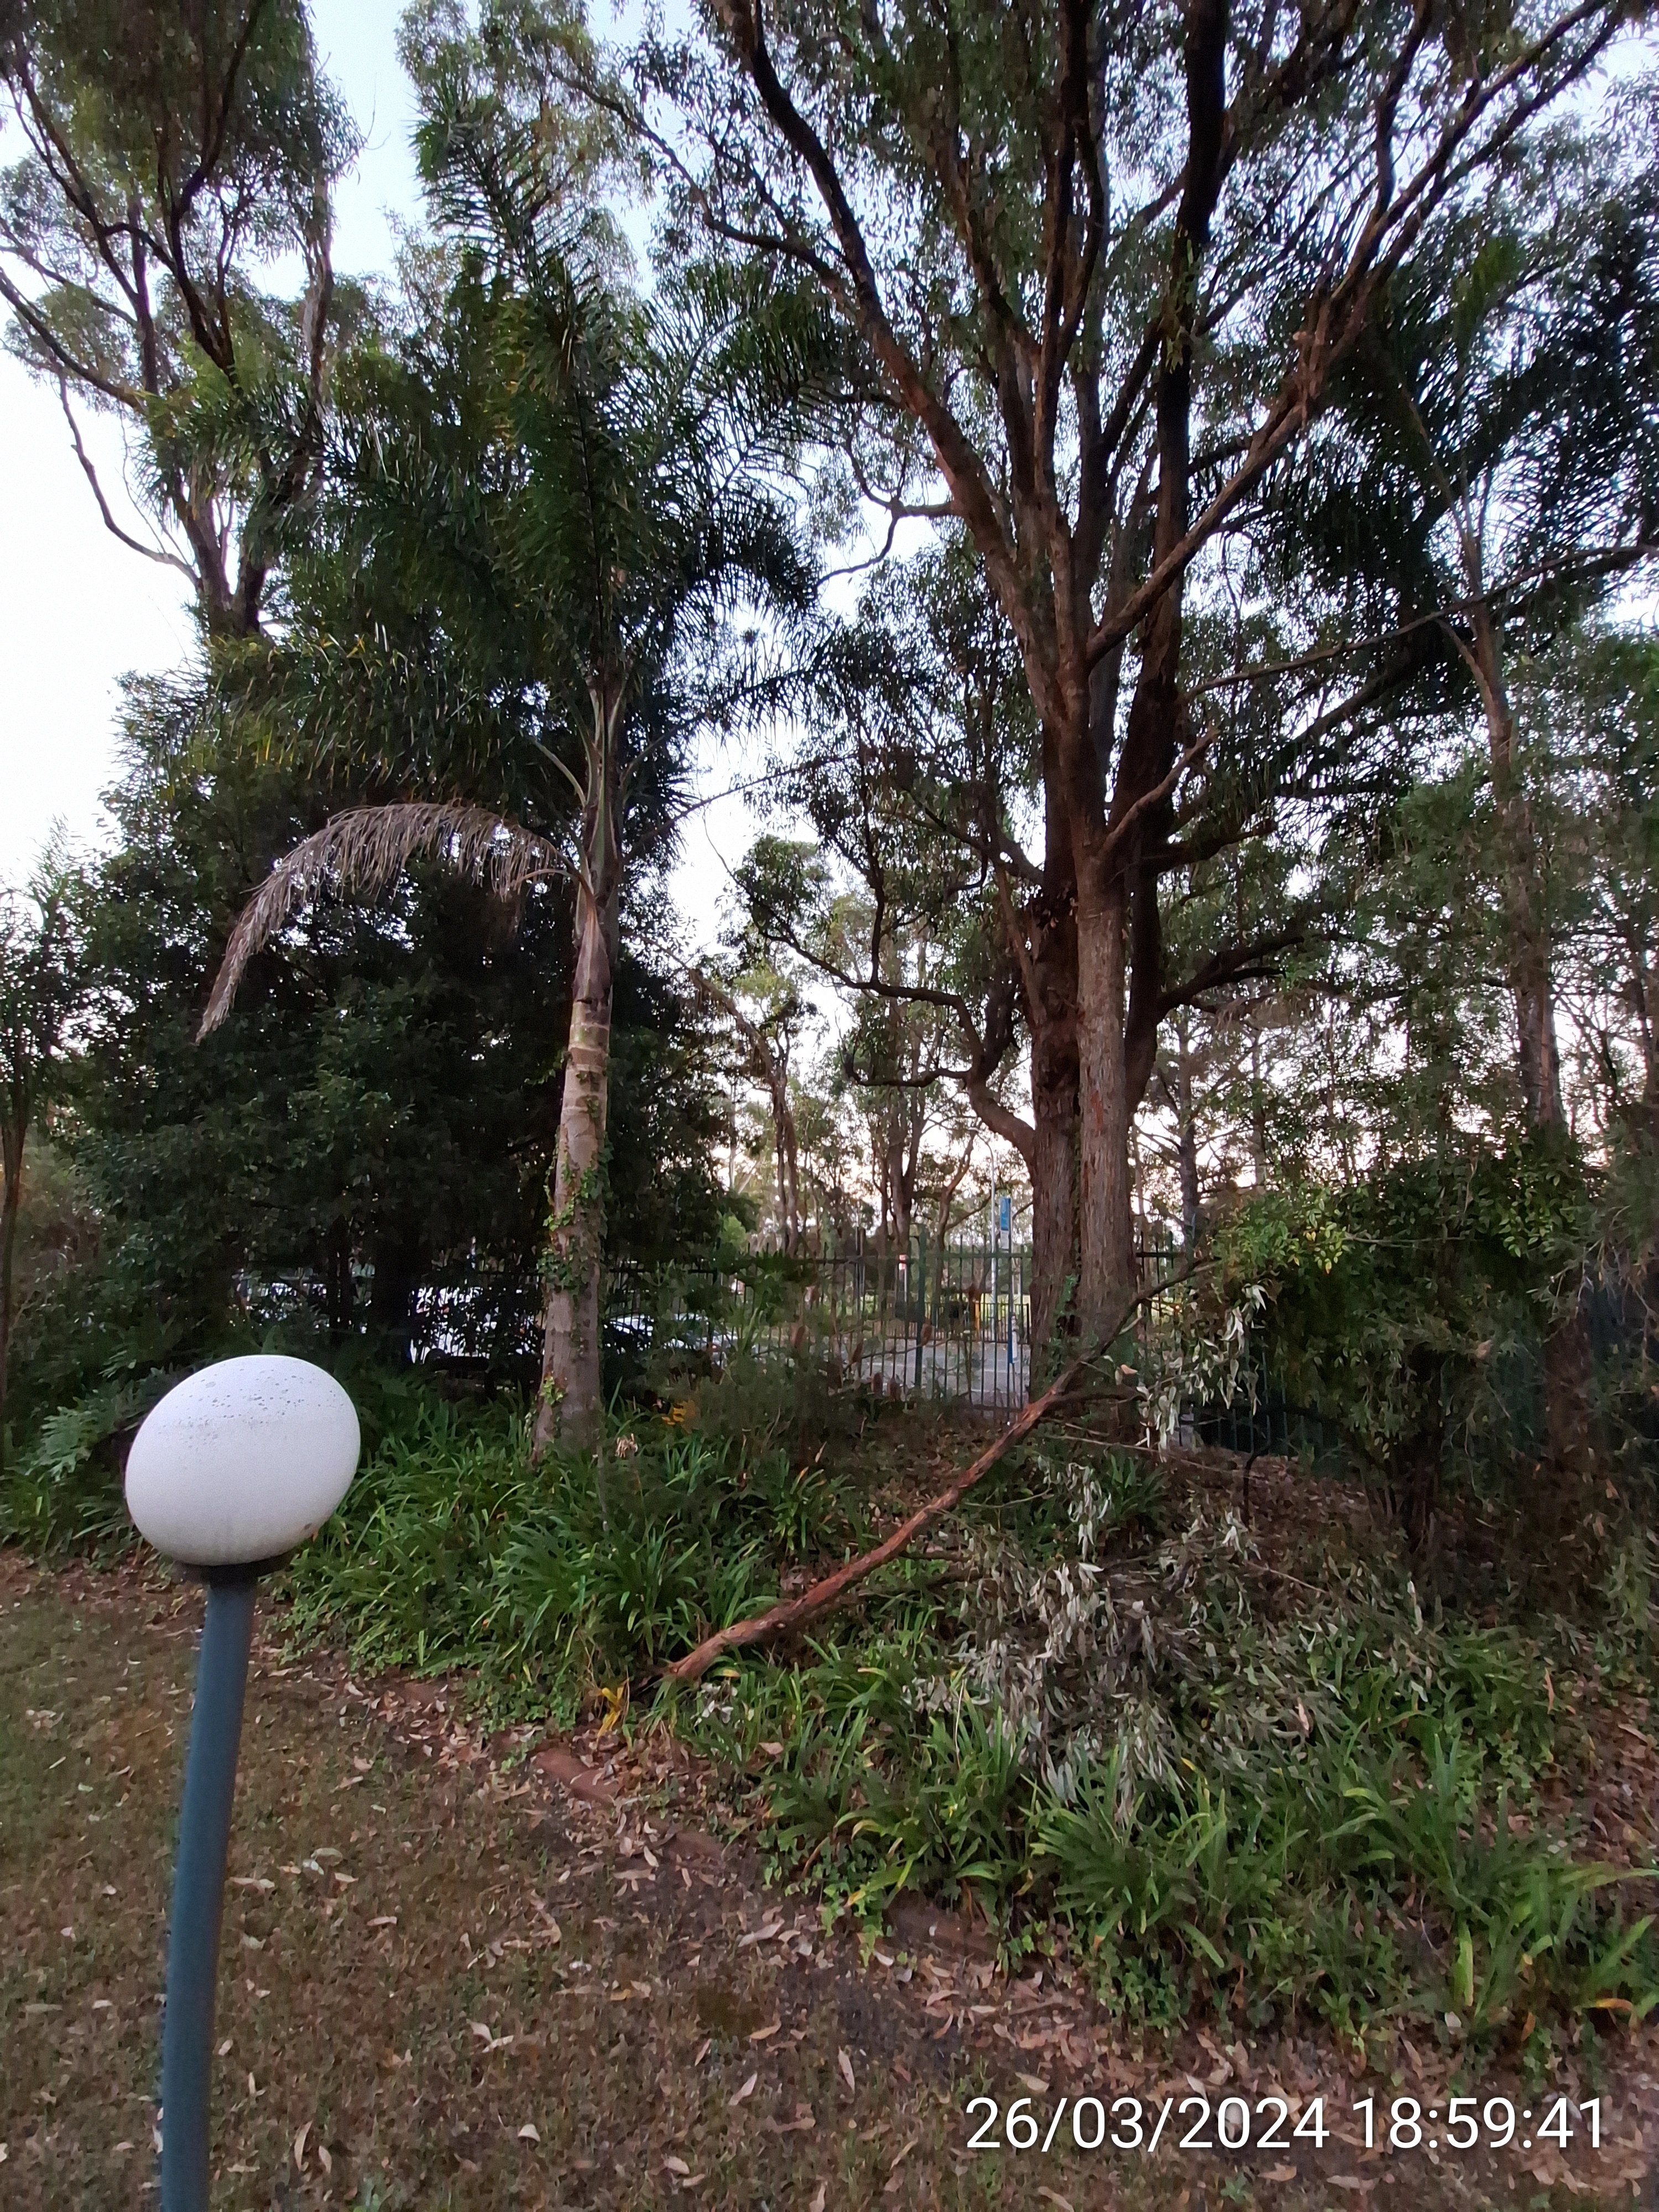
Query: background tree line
<point>1222,781</point>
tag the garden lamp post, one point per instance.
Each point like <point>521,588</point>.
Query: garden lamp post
<point>232,1470</point>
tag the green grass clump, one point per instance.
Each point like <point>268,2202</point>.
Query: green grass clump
<point>868,1791</point>
<point>1343,1886</point>
<point>452,1550</point>
<point>1378,1871</point>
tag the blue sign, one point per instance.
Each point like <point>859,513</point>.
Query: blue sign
<point>1005,1215</point>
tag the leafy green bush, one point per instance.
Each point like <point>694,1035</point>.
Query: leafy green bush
<point>1407,1308</point>
<point>64,1493</point>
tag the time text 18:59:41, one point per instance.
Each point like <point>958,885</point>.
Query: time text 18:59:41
<point>1464,2124</point>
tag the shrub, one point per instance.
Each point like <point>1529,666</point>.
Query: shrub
<point>450,1548</point>
<point>1406,1309</point>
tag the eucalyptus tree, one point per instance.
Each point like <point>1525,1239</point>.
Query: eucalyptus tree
<point>1096,257</point>
<point>550,509</point>
<point>171,156</point>
<point>40,938</point>
<point>761,1005</point>
<point>924,776</point>
<point>1489,473</point>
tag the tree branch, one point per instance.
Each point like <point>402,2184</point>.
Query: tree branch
<point>160,554</point>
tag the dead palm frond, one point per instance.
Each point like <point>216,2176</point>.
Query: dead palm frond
<point>362,852</point>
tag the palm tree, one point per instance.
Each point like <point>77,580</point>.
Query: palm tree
<point>550,506</point>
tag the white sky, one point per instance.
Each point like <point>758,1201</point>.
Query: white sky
<point>78,611</point>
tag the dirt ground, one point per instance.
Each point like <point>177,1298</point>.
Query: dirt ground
<point>463,1975</point>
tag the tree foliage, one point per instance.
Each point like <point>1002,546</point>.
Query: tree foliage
<point>172,158</point>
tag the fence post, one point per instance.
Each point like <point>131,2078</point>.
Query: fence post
<point>922,1297</point>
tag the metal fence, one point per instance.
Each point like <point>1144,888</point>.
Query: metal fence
<point>951,1327</point>
<point>951,1324</point>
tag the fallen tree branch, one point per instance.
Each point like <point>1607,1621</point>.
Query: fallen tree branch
<point>824,1596</point>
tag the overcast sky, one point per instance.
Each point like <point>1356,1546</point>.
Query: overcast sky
<point>78,611</point>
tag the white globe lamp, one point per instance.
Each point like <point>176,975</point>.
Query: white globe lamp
<point>235,1469</point>
<point>242,1462</point>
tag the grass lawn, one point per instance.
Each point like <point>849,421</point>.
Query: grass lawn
<point>447,1981</point>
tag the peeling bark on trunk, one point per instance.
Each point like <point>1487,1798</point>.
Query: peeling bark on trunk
<point>1120,945</point>
<point>570,1404</point>
<point>1052,1017</point>
<point>571,1394</point>
<point>1042,943</point>
<point>1054,1199</point>
<point>1105,1224</point>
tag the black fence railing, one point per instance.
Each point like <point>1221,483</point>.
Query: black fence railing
<point>1259,1419</point>
<point>950,1323</point>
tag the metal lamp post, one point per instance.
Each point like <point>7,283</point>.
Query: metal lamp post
<point>234,1468</point>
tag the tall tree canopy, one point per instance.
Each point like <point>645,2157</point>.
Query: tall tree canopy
<point>547,500</point>
<point>173,156</point>
<point>1098,260</point>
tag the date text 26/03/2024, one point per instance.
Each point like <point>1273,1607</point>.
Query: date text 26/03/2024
<point>1132,2124</point>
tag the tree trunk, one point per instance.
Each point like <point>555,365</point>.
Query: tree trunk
<point>1043,947</point>
<point>1523,891</point>
<point>791,1169</point>
<point>340,1290</point>
<point>11,1163</point>
<point>785,1148</point>
<point>570,1404</point>
<point>1054,1201</point>
<point>1566,1350</point>
<point>899,1186</point>
<point>1054,1076</point>
<point>1105,1223</point>
<point>571,1401</point>
<point>397,1262</point>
